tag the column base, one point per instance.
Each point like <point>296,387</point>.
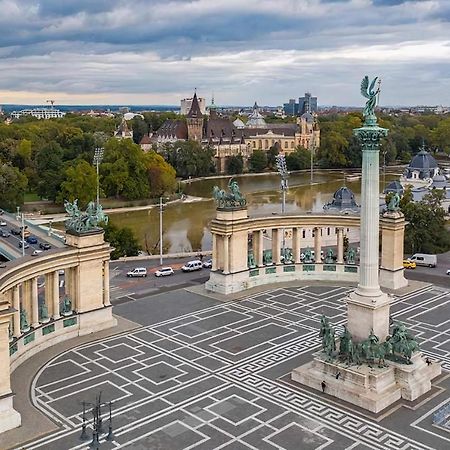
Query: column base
<point>9,417</point>
<point>393,279</point>
<point>97,320</point>
<point>373,389</point>
<point>366,313</point>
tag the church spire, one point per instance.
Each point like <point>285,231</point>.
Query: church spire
<point>195,112</point>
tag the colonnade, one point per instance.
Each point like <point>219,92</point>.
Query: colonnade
<point>241,243</point>
<point>30,311</point>
<point>35,316</point>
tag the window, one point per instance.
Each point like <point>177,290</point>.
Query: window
<point>328,231</point>
<point>286,145</point>
<point>304,234</point>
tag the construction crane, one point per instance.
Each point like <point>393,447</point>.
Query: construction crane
<point>52,102</point>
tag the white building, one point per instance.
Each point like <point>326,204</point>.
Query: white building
<point>39,113</point>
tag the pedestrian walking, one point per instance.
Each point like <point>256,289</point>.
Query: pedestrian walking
<point>324,385</point>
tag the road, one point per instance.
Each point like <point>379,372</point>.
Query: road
<point>11,243</point>
<point>436,275</point>
<point>124,289</point>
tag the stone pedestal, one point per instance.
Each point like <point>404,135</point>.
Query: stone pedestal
<point>391,268</point>
<point>373,388</point>
<point>9,417</point>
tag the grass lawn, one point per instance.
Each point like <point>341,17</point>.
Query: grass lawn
<point>32,197</point>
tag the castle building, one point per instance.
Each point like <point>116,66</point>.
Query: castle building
<point>237,138</point>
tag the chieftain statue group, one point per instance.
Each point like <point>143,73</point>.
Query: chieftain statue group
<point>399,347</point>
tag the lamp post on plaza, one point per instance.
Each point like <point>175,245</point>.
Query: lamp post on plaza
<point>97,422</point>
<point>161,206</point>
<point>282,170</point>
<point>98,157</point>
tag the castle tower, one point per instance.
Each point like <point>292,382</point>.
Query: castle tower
<point>194,121</point>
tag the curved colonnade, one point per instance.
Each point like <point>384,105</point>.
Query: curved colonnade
<point>36,312</point>
<point>236,236</point>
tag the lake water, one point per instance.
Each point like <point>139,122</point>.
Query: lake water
<point>186,224</point>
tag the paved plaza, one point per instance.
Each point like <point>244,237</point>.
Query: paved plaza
<point>205,374</point>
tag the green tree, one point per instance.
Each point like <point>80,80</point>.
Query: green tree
<point>272,154</point>
<point>258,161</point>
<point>235,165</point>
<point>331,152</point>
<point>299,159</point>
<point>50,170</point>
<point>161,175</point>
<point>123,172</point>
<point>140,128</point>
<point>122,240</point>
<point>80,181</point>
<point>13,186</point>
<point>190,159</point>
<point>425,231</point>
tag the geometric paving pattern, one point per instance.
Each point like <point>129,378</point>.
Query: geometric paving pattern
<point>213,379</point>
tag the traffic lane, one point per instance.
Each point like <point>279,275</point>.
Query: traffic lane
<point>151,264</point>
<point>139,286</point>
<point>436,275</point>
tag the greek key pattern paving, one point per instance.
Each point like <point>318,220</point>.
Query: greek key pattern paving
<point>212,379</point>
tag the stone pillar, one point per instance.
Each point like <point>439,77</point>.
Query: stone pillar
<point>106,300</point>
<point>317,245</point>
<point>276,257</point>
<point>16,306</point>
<point>26,299</point>
<point>54,277</point>
<point>296,233</point>
<point>214,251</point>
<point>392,239</point>
<point>340,245</point>
<point>367,306</point>
<point>258,247</point>
<point>9,418</point>
<point>34,303</point>
<point>226,254</point>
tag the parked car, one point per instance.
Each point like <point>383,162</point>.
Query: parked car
<point>44,246</point>
<point>422,259</point>
<point>32,240</point>
<point>164,272</point>
<point>3,223</point>
<point>1,211</point>
<point>207,264</point>
<point>36,252</point>
<point>16,231</point>
<point>448,272</point>
<point>192,265</point>
<point>25,246</point>
<point>137,272</point>
<point>409,264</point>
<point>4,234</point>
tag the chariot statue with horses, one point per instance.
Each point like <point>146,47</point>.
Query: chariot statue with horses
<point>84,221</point>
<point>231,199</point>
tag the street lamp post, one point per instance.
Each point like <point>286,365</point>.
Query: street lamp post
<point>98,157</point>
<point>160,231</point>
<point>282,170</point>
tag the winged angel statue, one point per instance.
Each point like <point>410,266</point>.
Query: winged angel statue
<point>371,93</point>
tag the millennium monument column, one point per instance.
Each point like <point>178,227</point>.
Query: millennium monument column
<point>368,306</point>
<point>365,365</point>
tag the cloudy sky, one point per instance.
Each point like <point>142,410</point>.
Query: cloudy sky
<point>158,51</point>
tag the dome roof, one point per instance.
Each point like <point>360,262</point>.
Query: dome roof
<point>394,186</point>
<point>343,200</point>
<point>256,119</point>
<point>423,160</point>
<point>308,117</point>
<point>440,182</point>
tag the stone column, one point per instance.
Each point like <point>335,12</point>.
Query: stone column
<point>26,299</point>
<point>367,306</point>
<point>34,303</point>
<point>55,295</point>
<point>296,233</point>
<point>9,418</point>
<point>106,300</point>
<point>276,257</point>
<point>226,254</point>
<point>340,245</point>
<point>214,251</point>
<point>317,244</point>
<point>16,306</point>
<point>258,247</point>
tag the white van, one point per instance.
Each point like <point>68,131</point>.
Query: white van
<point>137,272</point>
<point>192,265</point>
<point>422,259</point>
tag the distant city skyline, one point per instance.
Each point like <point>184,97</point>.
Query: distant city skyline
<point>156,52</point>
